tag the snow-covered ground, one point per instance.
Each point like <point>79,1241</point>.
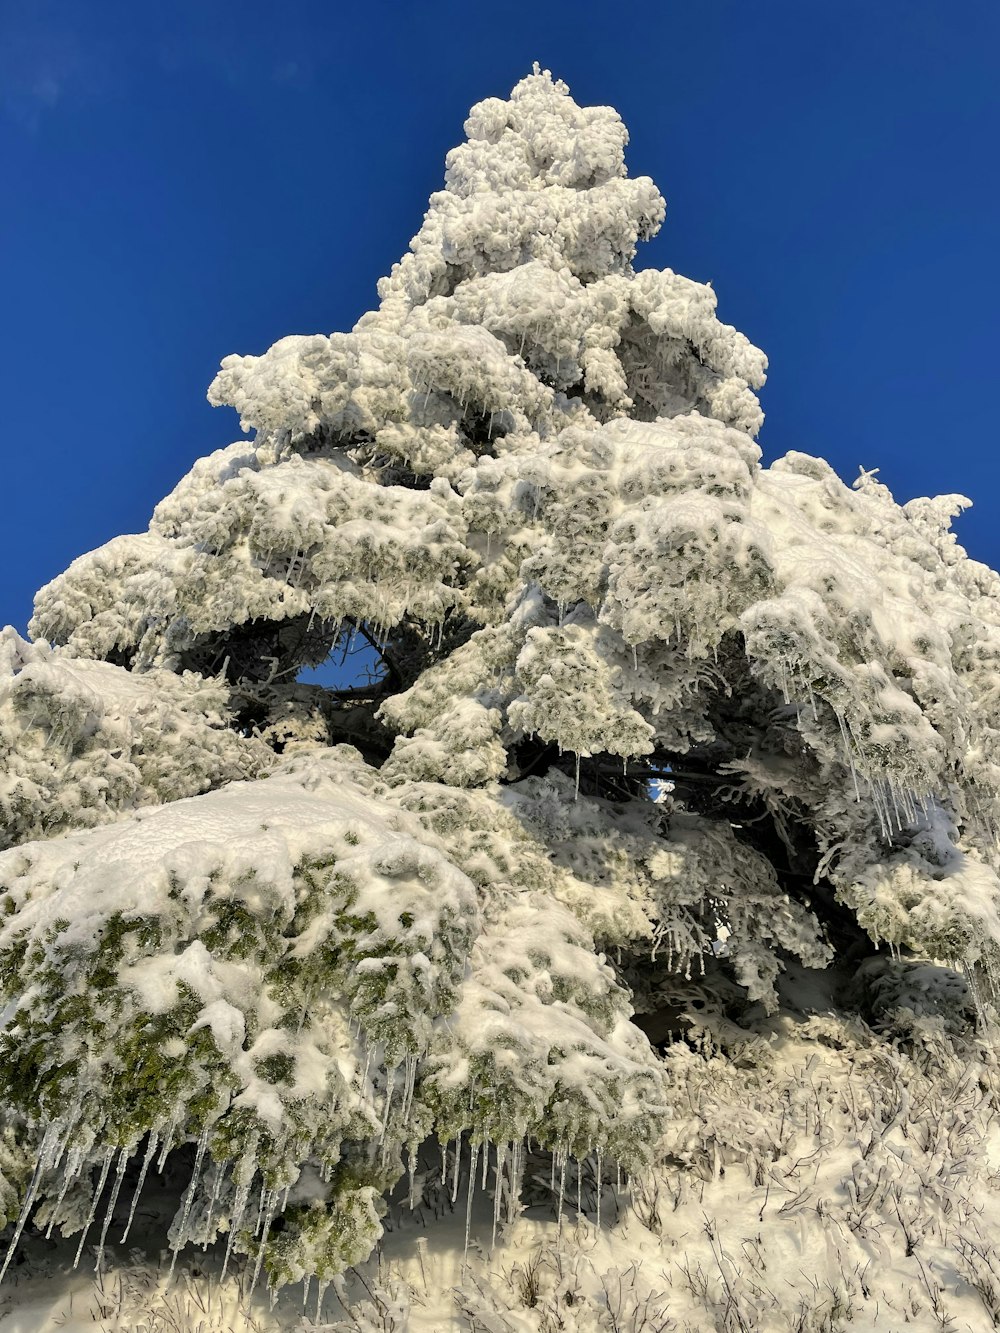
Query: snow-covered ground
<point>817,1182</point>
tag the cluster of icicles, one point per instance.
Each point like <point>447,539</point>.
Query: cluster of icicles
<point>896,807</point>
<point>508,1161</point>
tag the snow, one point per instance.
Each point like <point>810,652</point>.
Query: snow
<point>388,1011</point>
<point>335,887</point>
<point>796,1190</point>
<point>86,740</point>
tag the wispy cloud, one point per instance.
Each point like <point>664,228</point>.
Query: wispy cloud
<point>54,55</point>
<point>288,71</point>
<point>42,64</point>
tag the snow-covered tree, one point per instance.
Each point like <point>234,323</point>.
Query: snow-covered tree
<point>650,733</point>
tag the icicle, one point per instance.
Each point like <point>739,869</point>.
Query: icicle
<point>600,1182</point>
<point>562,1186</point>
<point>892,798</point>
<point>29,1200</point>
<point>321,1286</point>
<point>390,1080</point>
<point>305,1291</point>
<point>263,1204</point>
<point>411,1165</point>
<point>167,1144</point>
<point>105,1168</point>
<point>70,1172</point>
<point>850,756</point>
<point>486,1160</point>
<point>885,804</point>
<point>917,805</point>
<point>473,1156</point>
<point>409,1082</point>
<point>68,1123</point>
<point>576,789</point>
<point>901,801</point>
<point>444,1164</point>
<point>182,1230</point>
<point>517,1180</point>
<point>54,1144</point>
<point>265,1228</point>
<point>880,799</point>
<point>220,1172</point>
<point>911,806</point>
<point>123,1158</point>
<point>454,1174</point>
<point>497,1190</point>
<point>579,1188</point>
<point>239,1208</point>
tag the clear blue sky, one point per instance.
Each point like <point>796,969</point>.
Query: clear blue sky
<point>190,179</point>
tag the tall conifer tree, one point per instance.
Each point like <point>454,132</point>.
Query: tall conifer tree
<point>647,734</point>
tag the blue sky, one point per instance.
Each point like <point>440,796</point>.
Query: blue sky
<point>186,180</point>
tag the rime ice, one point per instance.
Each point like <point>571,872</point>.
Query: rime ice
<point>310,930</point>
